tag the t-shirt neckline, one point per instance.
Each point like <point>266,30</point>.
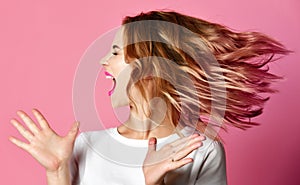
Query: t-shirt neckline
<point>142,142</point>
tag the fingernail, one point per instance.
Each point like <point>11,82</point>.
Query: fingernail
<point>188,160</point>
<point>12,122</point>
<point>152,140</point>
<point>10,138</point>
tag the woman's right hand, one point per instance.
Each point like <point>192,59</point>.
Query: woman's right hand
<point>170,157</point>
<point>49,149</point>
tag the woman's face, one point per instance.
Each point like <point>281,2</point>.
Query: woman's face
<point>114,62</point>
<point>118,71</point>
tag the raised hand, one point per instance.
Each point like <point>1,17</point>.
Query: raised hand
<point>49,149</point>
<point>170,157</point>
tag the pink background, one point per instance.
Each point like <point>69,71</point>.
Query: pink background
<point>41,45</point>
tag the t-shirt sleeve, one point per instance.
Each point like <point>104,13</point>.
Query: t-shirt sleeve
<point>77,155</point>
<point>213,169</point>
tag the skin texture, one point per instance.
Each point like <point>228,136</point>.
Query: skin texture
<point>157,164</point>
<point>53,152</point>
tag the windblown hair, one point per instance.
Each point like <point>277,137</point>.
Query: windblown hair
<point>242,59</point>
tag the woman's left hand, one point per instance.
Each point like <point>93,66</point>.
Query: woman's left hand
<point>170,157</point>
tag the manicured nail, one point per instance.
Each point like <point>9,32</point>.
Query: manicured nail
<point>152,141</point>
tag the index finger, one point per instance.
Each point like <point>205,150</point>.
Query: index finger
<point>187,139</point>
<point>41,119</point>
<point>28,121</point>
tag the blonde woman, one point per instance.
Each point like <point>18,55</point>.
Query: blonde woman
<point>184,79</point>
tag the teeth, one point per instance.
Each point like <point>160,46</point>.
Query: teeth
<point>109,77</point>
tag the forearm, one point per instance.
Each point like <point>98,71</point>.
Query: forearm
<point>59,177</point>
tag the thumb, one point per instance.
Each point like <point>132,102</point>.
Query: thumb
<point>74,130</point>
<point>152,144</point>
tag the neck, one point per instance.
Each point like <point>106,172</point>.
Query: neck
<point>138,126</point>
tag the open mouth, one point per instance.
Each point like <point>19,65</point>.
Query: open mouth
<point>110,76</point>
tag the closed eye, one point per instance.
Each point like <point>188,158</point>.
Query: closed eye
<point>116,50</point>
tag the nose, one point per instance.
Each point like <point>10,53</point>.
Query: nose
<point>104,60</point>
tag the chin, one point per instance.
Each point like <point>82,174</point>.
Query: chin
<point>118,101</point>
<point>119,96</point>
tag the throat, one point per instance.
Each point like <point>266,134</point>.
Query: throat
<point>144,132</point>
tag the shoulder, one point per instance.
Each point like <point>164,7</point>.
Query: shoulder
<point>209,145</point>
<point>212,149</point>
<point>211,162</point>
<point>215,154</point>
<point>212,159</point>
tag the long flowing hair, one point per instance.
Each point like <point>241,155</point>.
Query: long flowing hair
<point>242,57</point>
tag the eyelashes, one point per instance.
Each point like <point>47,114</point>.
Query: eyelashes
<point>116,50</point>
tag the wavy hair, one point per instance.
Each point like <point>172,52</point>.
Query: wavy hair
<point>242,59</point>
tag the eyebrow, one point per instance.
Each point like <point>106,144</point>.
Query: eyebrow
<point>116,46</point>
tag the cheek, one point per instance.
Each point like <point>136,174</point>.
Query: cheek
<point>120,66</point>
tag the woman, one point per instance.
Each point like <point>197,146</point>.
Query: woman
<point>185,78</point>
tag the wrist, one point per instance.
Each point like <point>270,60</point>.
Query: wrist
<point>59,169</point>
<point>60,176</point>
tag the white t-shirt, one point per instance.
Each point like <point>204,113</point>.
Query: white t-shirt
<point>107,158</point>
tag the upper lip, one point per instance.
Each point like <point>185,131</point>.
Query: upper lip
<point>108,74</point>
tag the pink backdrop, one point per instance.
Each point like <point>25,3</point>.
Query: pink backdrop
<point>41,45</point>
